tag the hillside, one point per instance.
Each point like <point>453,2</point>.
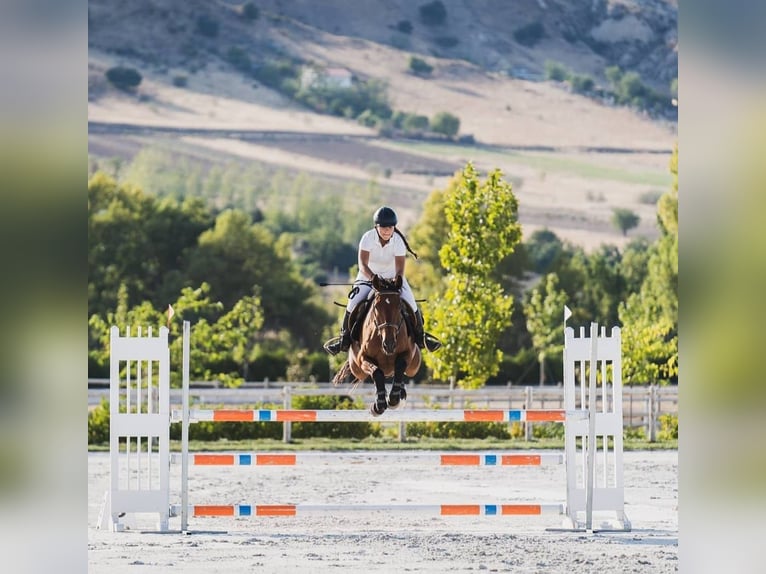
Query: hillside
<point>571,158</point>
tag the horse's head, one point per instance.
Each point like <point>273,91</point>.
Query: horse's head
<point>386,311</point>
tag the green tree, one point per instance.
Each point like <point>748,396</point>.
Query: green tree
<point>124,78</point>
<point>483,228</point>
<point>445,123</point>
<point>250,11</point>
<point>419,66</point>
<point>139,241</point>
<point>238,258</point>
<point>433,14</point>
<point>624,219</point>
<point>556,71</point>
<point>415,122</point>
<point>221,346</point>
<point>650,317</point>
<point>544,311</point>
<point>600,285</point>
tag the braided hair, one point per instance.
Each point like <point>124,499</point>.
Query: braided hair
<point>407,245</point>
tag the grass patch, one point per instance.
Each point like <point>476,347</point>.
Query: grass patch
<point>549,162</point>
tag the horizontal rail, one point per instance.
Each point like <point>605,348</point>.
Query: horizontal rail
<point>321,458</point>
<point>254,510</point>
<point>409,415</point>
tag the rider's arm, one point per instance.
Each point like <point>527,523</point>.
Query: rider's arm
<point>399,263</point>
<point>364,260</point>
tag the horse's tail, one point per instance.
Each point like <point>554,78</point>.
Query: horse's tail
<point>344,375</point>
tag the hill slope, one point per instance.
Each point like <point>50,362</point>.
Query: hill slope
<point>571,186</point>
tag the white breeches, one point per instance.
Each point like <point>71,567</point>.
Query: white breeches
<point>363,290</point>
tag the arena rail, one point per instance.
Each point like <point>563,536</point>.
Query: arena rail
<point>592,420</point>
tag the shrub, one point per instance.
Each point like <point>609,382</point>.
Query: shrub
<point>433,13</point>
<point>548,430</point>
<point>123,78</point>
<point>445,123</point>
<point>207,26</point>
<point>650,197</point>
<point>636,433</point>
<point>250,11</point>
<point>404,26</point>
<point>420,67</point>
<point>556,71</point>
<point>581,84</point>
<point>275,73</point>
<point>98,423</point>
<point>668,427</point>
<point>180,81</point>
<point>358,430</point>
<point>415,123</point>
<point>238,58</point>
<point>447,41</point>
<point>458,430</point>
<point>530,34</point>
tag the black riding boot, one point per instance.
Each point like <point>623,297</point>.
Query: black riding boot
<point>423,339</point>
<point>341,343</point>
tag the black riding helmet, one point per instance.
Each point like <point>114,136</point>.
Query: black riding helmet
<point>385,217</point>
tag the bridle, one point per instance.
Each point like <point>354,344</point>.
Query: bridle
<point>380,326</point>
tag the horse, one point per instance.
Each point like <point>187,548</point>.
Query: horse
<point>385,350</point>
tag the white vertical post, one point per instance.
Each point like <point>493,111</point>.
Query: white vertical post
<point>287,427</point>
<point>591,456</point>
<point>185,430</point>
<point>527,405</point>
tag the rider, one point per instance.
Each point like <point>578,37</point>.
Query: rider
<point>382,252</point>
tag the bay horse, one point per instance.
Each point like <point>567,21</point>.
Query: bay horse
<point>385,350</point>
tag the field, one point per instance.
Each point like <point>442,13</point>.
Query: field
<point>571,159</point>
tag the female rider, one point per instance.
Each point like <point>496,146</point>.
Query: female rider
<point>382,251</point>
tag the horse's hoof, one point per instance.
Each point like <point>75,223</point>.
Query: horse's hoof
<point>397,396</point>
<point>378,407</point>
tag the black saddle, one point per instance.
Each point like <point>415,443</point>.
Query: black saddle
<point>356,319</point>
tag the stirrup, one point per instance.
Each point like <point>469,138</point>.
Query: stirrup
<point>431,342</point>
<point>333,346</point>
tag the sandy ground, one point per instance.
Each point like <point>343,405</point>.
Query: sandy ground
<point>383,542</point>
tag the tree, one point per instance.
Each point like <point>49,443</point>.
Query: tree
<point>139,241</point>
<point>556,71</point>
<point>238,259</point>
<point>650,317</point>
<point>123,78</point>
<point>221,343</point>
<point>544,311</point>
<point>445,123</point>
<point>250,11</point>
<point>433,14</point>
<point>420,67</point>
<point>624,219</point>
<point>482,219</point>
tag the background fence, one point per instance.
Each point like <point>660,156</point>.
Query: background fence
<point>642,405</point>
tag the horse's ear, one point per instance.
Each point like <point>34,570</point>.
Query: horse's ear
<point>398,282</point>
<point>376,282</point>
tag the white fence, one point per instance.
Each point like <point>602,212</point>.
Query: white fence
<point>641,405</point>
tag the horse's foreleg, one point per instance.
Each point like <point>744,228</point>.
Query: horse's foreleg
<point>379,406</point>
<point>398,393</point>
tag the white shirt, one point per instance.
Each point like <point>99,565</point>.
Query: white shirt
<point>382,257</point>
